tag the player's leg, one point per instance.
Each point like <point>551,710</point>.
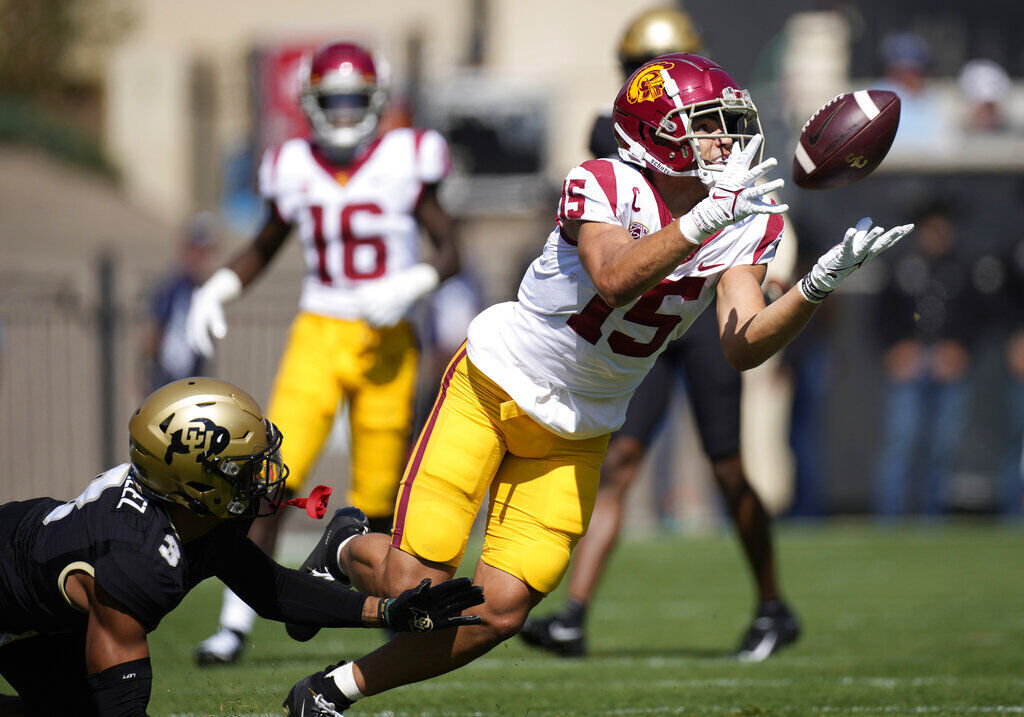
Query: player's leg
<point>563,633</point>
<point>380,416</point>
<point>714,389</point>
<point>541,500</point>
<point>303,404</point>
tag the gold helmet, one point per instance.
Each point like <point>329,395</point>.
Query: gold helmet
<point>656,33</point>
<point>204,444</point>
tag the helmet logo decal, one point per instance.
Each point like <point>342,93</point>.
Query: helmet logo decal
<point>201,434</point>
<point>648,83</point>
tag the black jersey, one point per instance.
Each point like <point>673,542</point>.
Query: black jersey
<point>114,532</point>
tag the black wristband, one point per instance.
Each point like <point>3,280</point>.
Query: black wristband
<point>122,690</point>
<point>810,291</point>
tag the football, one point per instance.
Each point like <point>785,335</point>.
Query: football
<point>846,139</point>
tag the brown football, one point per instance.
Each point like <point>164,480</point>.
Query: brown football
<point>846,139</point>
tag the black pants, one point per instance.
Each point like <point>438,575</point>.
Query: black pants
<point>48,672</point>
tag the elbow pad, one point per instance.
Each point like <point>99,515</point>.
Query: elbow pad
<point>123,690</point>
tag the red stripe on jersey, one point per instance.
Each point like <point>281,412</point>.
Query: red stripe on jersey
<point>771,233</point>
<point>664,215</point>
<point>275,153</point>
<point>604,172</point>
<point>421,447</point>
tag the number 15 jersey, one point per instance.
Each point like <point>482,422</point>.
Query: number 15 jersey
<point>567,358</point>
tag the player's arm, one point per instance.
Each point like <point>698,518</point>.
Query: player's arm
<point>206,312</point>
<point>751,332</point>
<point>116,652</point>
<point>441,229</point>
<point>623,268</point>
<point>279,593</point>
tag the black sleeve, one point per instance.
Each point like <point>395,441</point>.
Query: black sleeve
<point>123,690</point>
<point>147,587</point>
<point>279,593</point>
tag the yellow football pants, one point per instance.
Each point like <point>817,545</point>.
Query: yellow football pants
<point>374,370</point>
<point>477,441</point>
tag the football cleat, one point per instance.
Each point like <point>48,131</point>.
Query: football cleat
<point>774,627</point>
<point>322,561</point>
<point>316,695</point>
<point>555,635</point>
<point>221,648</point>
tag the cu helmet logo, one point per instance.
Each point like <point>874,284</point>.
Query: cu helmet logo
<point>648,84</point>
<point>202,435</point>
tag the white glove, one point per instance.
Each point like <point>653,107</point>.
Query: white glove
<point>386,301</point>
<point>734,196</point>
<point>206,312</point>
<point>861,244</point>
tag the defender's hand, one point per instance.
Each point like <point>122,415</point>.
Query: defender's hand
<point>424,608</point>
<point>734,196</point>
<point>206,312</point>
<point>861,244</point>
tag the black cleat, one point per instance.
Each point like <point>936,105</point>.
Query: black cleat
<point>221,648</point>
<point>316,695</point>
<point>322,560</point>
<point>774,627</point>
<point>555,635</point>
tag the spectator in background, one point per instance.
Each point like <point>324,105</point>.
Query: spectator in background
<point>165,352</point>
<point>906,60</point>
<point>985,85</point>
<point>928,321</point>
<point>1011,478</point>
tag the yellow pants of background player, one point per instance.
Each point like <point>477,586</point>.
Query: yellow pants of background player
<point>478,441</point>
<point>330,360</point>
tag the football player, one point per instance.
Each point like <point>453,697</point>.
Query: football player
<point>83,582</point>
<point>714,390</point>
<point>358,196</point>
<point>641,245</point>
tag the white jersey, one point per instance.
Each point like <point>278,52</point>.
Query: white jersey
<point>567,358</point>
<point>356,221</point>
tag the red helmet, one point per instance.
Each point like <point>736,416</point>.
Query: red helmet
<point>655,110</point>
<point>344,93</point>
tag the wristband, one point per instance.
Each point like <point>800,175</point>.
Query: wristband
<point>811,292</point>
<point>382,612</point>
<point>693,233</point>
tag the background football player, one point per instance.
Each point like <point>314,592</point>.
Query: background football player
<point>358,197</point>
<point>714,390</point>
<point>83,582</point>
<point>641,246</point>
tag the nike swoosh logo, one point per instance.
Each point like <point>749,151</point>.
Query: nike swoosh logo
<point>813,139</point>
<point>704,267</point>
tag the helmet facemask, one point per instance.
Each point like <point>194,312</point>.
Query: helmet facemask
<point>258,479</point>
<point>344,105</point>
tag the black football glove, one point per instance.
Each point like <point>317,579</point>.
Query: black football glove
<point>424,608</point>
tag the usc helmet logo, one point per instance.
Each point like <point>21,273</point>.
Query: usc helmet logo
<point>648,84</point>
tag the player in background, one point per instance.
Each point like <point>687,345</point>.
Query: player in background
<point>84,582</point>
<point>714,391</point>
<point>642,245</point>
<point>358,196</point>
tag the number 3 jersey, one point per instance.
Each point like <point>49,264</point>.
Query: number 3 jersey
<point>567,358</point>
<point>356,222</point>
<point>113,532</point>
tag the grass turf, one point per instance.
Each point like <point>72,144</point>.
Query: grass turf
<point>915,620</point>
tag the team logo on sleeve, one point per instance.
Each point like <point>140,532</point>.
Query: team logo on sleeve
<point>648,85</point>
<point>637,230</point>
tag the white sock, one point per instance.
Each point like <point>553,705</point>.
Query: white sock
<point>337,558</point>
<point>345,679</point>
<point>235,614</point>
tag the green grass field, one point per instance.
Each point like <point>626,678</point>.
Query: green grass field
<point>920,620</point>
